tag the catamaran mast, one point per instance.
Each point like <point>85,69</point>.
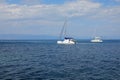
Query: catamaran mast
<point>63,31</point>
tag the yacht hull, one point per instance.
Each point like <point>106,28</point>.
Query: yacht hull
<point>96,41</point>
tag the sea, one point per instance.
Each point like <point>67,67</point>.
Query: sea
<point>46,60</point>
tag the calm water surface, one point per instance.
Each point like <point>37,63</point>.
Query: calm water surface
<point>45,60</point>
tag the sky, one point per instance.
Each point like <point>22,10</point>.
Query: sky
<point>85,18</point>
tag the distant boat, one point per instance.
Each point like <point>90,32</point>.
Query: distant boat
<point>66,40</point>
<point>97,40</point>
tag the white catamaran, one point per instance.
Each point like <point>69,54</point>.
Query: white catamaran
<point>66,40</point>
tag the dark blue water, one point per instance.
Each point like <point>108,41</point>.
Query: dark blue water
<point>45,60</point>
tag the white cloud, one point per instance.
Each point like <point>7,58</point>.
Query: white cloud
<point>109,13</point>
<point>70,9</point>
<point>79,8</point>
<point>22,11</point>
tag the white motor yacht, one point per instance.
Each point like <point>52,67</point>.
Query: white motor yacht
<point>97,39</point>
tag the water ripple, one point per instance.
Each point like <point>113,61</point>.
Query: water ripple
<point>42,61</point>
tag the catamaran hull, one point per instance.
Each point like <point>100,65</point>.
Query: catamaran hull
<point>65,42</point>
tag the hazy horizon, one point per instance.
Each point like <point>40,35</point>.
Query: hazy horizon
<point>42,37</point>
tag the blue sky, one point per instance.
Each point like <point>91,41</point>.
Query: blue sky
<point>46,17</point>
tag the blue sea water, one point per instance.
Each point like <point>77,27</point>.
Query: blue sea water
<point>45,60</point>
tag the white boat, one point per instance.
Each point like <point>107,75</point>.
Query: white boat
<point>65,40</point>
<point>97,39</point>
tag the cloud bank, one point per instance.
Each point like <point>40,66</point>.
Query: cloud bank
<point>71,9</point>
<point>28,13</point>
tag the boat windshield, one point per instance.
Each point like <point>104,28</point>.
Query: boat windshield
<point>68,38</point>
